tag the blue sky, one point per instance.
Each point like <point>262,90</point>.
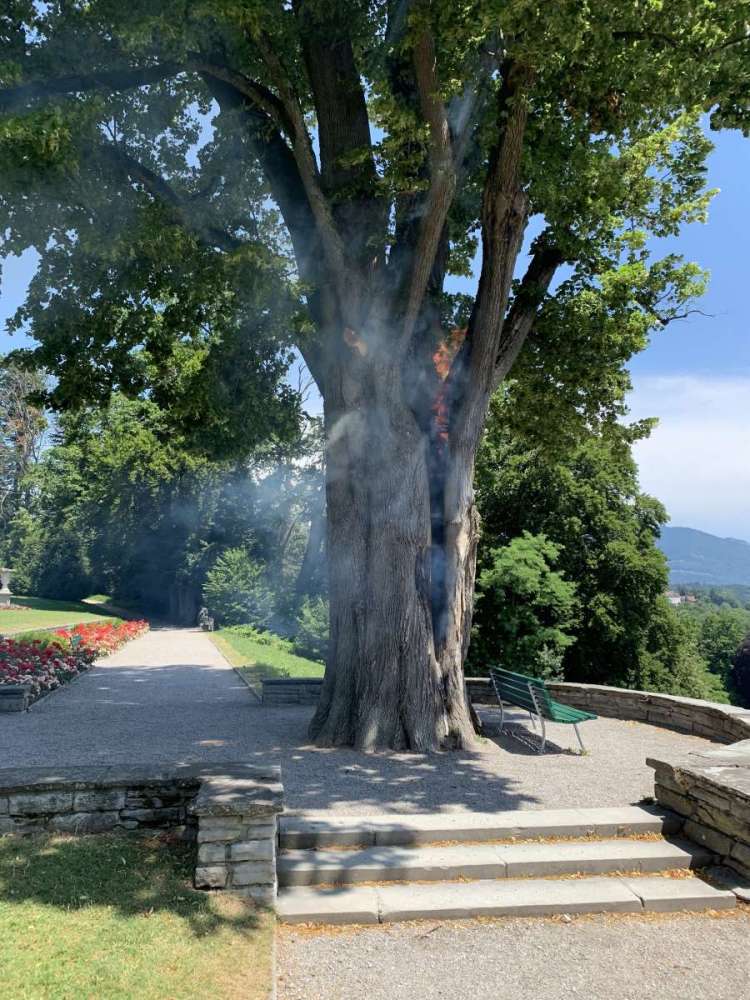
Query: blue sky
<point>695,376</point>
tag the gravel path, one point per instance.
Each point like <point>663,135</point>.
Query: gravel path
<point>171,696</point>
<point>686,957</point>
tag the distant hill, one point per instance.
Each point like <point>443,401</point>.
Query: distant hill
<point>697,557</point>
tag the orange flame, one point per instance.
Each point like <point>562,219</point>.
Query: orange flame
<point>443,359</point>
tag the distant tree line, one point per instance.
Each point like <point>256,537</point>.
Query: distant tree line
<point>115,500</point>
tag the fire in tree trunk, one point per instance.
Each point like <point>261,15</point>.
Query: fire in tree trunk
<point>400,580</point>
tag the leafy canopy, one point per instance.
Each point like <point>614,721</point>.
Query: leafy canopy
<point>200,178</point>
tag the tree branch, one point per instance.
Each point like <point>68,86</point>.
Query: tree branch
<point>255,92</point>
<point>304,156</point>
<point>12,98</point>
<point>524,310</point>
<point>162,191</point>
<point>347,166</point>
<point>442,177</point>
<point>504,210</point>
<point>280,169</point>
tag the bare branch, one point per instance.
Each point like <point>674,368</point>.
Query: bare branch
<point>348,174</point>
<point>255,92</point>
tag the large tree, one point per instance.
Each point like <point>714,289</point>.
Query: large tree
<point>391,136</point>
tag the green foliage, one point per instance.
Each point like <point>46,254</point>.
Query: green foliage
<point>584,499</point>
<point>259,637</point>
<point>525,608</point>
<point>312,634</point>
<point>721,634</point>
<point>670,660</point>
<point>739,678</point>
<point>22,427</point>
<point>122,505</point>
<point>236,590</point>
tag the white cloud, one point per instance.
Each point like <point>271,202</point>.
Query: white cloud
<point>697,461</point>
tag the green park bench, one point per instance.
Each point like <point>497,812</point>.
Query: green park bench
<point>531,694</point>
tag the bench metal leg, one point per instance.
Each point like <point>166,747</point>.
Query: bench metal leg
<point>533,720</point>
<point>544,734</point>
<point>578,734</point>
<point>539,716</point>
<point>502,715</point>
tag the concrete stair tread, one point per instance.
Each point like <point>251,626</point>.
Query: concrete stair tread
<point>504,897</point>
<point>307,830</point>
<point>485,861</point>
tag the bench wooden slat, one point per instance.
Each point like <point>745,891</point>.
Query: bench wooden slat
<point>515,689</point>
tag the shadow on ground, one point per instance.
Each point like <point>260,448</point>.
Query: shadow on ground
<point>133,875</point>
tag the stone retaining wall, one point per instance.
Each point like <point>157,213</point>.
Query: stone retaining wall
<point>291,691</point>
<point>721,723</point>
<point>713,721</point>
<point>230,810</point>
<point>711,791</point>
<point>14,697</point>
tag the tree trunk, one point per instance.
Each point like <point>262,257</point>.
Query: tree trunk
<point>394,677</point>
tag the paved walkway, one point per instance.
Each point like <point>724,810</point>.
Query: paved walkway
<point>171,696</point>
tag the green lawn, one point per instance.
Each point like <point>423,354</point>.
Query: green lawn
<point>116,918</point>
<point>39,612</point>
<point>258,660</point>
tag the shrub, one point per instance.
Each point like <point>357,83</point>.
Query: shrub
<point>45,660</point>
<point>311,639</point>
<point>235,591</point>
<point>525,609</point>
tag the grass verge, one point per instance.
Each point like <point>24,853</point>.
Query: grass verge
<point>257,661</point>
<point>39,612</point>
<point>116,918</point>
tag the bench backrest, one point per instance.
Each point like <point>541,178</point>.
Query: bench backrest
<point>514,688</point>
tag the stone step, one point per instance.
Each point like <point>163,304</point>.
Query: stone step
<point>486,861</point>
<point>311,830</point>
<point>497,898</point>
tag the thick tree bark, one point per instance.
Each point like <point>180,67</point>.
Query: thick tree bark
<point>391,681</point>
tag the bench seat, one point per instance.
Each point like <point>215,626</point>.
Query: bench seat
<point>531,694</point>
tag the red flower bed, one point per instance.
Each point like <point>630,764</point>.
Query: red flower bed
<point>104,637</point>
<point>47,666</point>
<point>42,668</point>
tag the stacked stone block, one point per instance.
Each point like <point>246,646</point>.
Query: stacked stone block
<point>239,854</point>
<point>229,809</point>
<point>722,723</point>
<point>711,791</point>
<point>291,691</point>
<point>237,835</point>
<point>15,697</point>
